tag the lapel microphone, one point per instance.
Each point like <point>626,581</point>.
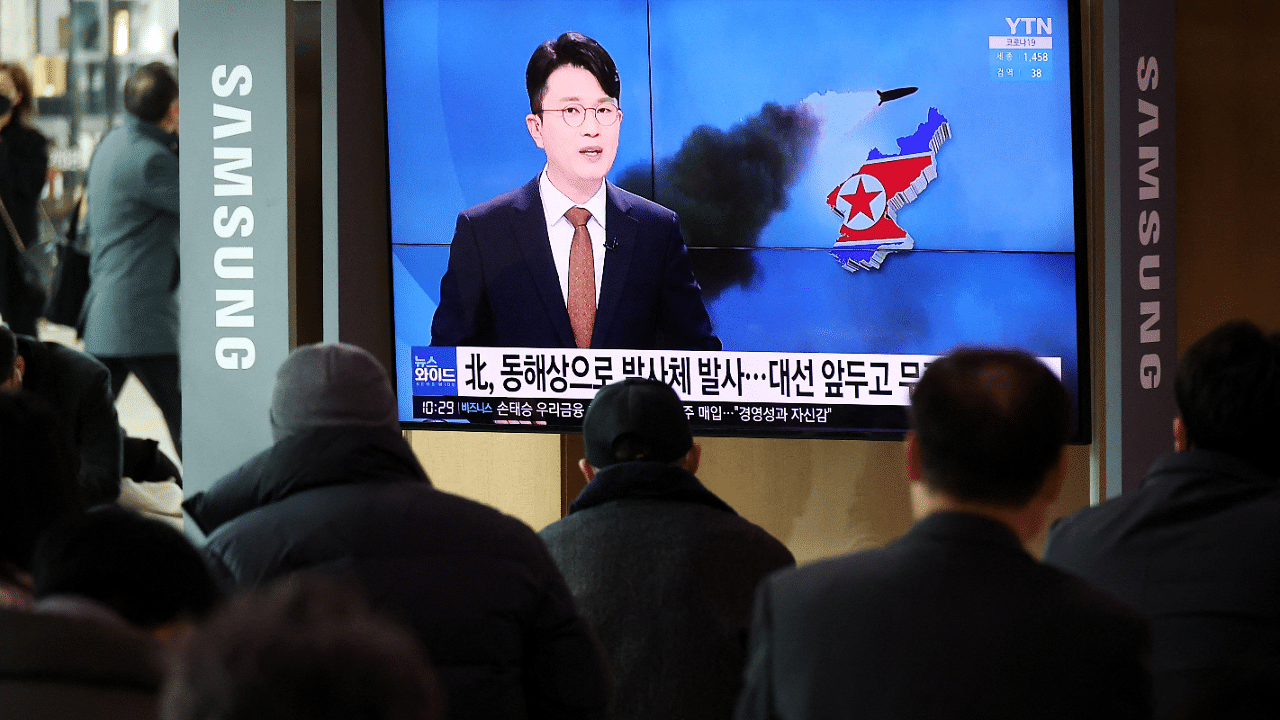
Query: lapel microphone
<point>610,244</point>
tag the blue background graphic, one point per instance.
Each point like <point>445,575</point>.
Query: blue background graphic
<point>995,234</point>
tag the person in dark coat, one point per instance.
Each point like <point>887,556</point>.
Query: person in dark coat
<point>955,619</point>
<point>38,485</point>
<point>1196,547</point>
<point>53,666</point>
<point>113,591</point>
<point>76,668</point>
<point>341,493</point>
<point>662,569</point>
<point>78,387</point>
<point>24,163</point>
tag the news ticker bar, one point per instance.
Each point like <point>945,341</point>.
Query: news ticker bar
<point>568,414</point>
<point>727,379</point>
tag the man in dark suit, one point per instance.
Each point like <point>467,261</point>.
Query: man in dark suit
<point>955,619</point>
<point>570,260</point>
<point>1197,546</point>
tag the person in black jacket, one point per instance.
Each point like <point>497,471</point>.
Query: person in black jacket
<point>78,387</point>
<point>663,570</point>
<point>955,619</point>
<point>24,162</point>
<point>1196,547</point>
<point>341,493</point>
<point>38,487</point>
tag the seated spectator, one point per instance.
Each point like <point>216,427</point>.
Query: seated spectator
<point>1196,547</point>
<point>38,484</point>
<point>78,387</point>
<point>955,619</point>
<point>116,565</point>
<point>76,668</point>
<point>302,649</point>
<point>51,666</point>
<point>662,569</point>
<point>340,492</point>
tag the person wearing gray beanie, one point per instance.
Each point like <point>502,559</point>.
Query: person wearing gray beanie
<point>340,492</point>
<point>329,384</point>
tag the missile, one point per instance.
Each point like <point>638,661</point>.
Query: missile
<point>887,95</point>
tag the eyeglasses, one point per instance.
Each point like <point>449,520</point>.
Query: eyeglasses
<point>574,114</point>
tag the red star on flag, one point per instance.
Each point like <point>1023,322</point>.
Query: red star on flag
<point>860,201</point>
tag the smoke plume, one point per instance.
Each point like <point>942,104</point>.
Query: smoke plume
<point>727,185</point>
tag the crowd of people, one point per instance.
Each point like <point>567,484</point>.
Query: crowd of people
<point>128,317</point>
<point>337,582</point>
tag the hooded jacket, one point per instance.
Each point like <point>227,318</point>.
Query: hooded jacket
<point>477,586</point>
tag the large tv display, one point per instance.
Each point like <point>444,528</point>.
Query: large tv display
<point>862,186</point>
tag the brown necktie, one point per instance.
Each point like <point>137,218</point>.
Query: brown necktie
<point>582,278</point>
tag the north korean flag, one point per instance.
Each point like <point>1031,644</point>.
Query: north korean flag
<point>869,200</point>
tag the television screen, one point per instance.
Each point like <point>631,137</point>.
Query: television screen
<point>862,185</point>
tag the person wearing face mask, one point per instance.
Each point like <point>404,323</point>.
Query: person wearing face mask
<point>24,162</point>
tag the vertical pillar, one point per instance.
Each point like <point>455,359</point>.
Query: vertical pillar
<point>357,235</point>
<point>237,226</point>
<point>1141,298</point>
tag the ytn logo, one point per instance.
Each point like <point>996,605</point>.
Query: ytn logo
<point>1043,26</point>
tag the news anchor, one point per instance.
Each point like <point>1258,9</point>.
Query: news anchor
<point>569,259</point>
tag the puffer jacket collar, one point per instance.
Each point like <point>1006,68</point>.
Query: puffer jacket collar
<point>322,457</point>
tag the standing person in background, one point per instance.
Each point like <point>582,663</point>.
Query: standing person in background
<point>24,161</point>
<point>130,314</point>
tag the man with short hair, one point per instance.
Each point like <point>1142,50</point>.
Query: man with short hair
<point>304,648</point>
<point>340,492</point>
<point>571,260</point>
<point>955,619</point>
<point>78,388</point>
<point>662,569</point>
<point>130,315</point>
<point>1196,547</point>
<point>114,564</point>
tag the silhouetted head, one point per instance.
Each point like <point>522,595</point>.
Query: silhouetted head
<point>1228,393</point>
<point>990,424</point>
<point>305,648</point>
<point>635,419</point>
<point>15,85</point>
<point>145,570</point>
<point>149,92</point>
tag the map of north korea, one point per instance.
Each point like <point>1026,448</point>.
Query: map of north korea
<point>869,201</point>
